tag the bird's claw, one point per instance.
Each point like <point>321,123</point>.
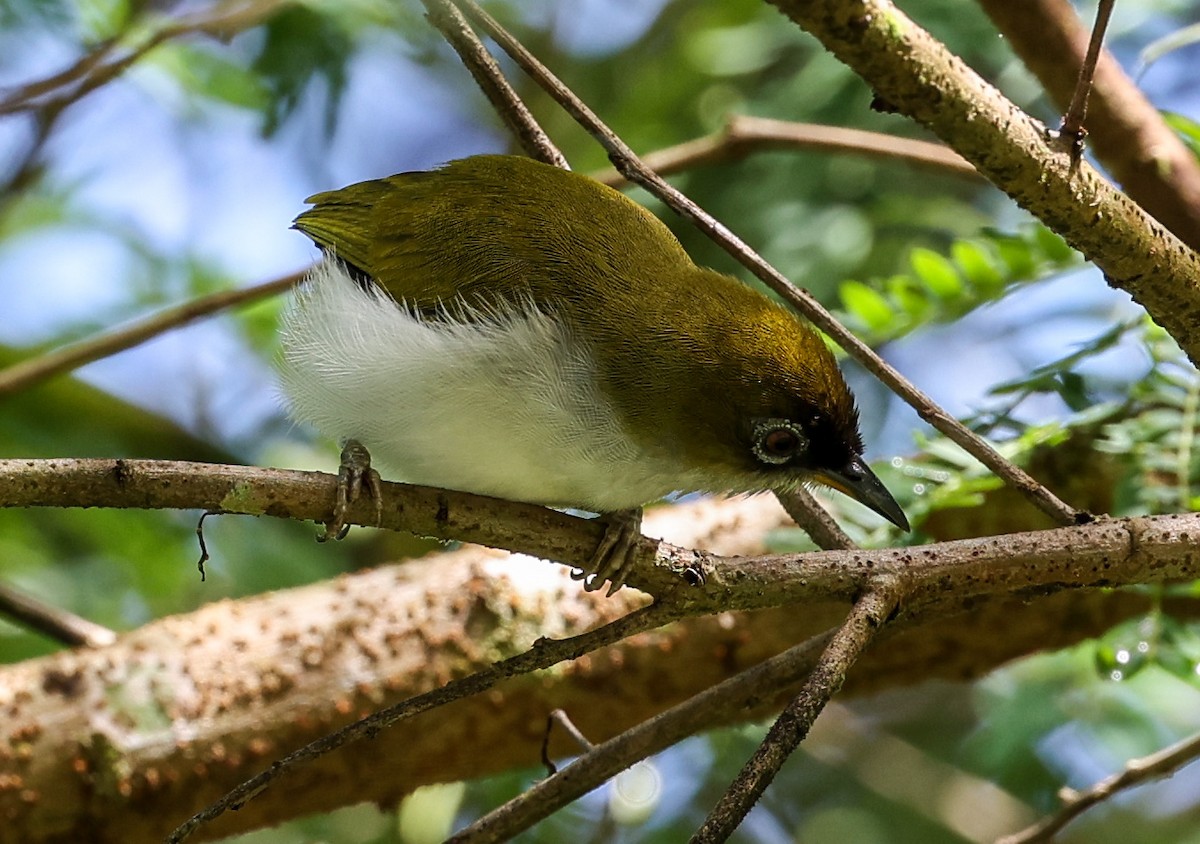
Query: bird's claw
<point>354,475</point>
<point>614,557</point>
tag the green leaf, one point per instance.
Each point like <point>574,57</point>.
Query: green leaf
<point>910,296</point>
<point>302,45</point>
<point>937,273</point>
<point>1169,43</point>
<point>1053,247</point>
<point>202,71</point>
<point>977,266</point>
<point>101,19</point>
<point>1074,392</point>
<point>867,304</point>
<point>1051,377</point>
<point>1017,253</point>
<point>1187,129</point>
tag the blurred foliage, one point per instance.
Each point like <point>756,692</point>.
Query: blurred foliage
<point>1188,130</point>
<point>897,249</point>
<point>979,269</point>
<point>301,46</point>
<point>1124,448</point>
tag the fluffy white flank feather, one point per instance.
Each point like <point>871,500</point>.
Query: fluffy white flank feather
<point>502,404</point>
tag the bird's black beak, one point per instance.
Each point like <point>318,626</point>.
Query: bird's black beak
<point>860,483</point>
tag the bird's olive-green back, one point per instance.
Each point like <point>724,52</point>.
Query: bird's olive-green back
<point>689,355</point>
<point>486,224</point>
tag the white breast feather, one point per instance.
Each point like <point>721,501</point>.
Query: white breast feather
<point>500,404</point>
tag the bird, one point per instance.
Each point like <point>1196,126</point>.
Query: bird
<point>504,327</point>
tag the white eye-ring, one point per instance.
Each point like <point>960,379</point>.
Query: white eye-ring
<point>778,441</point>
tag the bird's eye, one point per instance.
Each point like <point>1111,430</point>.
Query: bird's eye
<point>777,441</point>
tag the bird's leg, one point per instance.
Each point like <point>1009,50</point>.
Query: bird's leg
<point>614,557</point>
<point>354,474</point>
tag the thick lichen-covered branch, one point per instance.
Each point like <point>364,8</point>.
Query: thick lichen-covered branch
<point>916,75</point>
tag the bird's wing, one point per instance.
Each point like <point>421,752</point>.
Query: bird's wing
<point>487,224</point>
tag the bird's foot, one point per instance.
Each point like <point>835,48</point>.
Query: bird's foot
<point>614,557</point>
<point>354,475</point>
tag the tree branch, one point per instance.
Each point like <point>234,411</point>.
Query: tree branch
<point>920,78</point>
<point>1126,131</point>
<point>1109,552</point>
<point>544,653</point>
<point>744,135</point>
<point>29,373</point>
<point>866,619</point>
<point>1164,763</point>
<point>239,683</point>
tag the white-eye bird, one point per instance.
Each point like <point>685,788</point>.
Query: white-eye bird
<point>504,327</point>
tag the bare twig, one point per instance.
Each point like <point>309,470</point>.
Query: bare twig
<point>628,163</point>
<point>382,613</point>
<point>814,519</point>
<point>543,654</point>
<point>743,135</point>
<point>449,21</point>
<point>1073,128</point>
<point>1164,763</point>
<point>99,67</point>
<point>48,98</point>
<point>22,98</point>
<point>718,704</point>
<point>27,373</point>
<point>60,625</point>
<point>563,720</point>
<point>1109,553</point>
<point>864,622</point>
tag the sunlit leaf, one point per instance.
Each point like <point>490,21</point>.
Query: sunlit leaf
<point>867,304</point>
<point>977,265</point>
<point>938,273</point>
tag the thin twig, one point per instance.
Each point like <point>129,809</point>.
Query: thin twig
<point>448,20</point>
<point>204,555</point>
<point>633,168</point>
<point>718,704</point>
<point>1164,763</point>
<point>543,654</point>
<point>814,519</point>
<point>21,98</point>
<point>743,135</point>
<point>864,621</point>
<point>48,98</point>
<point>58,624</point>
<point>563,720</point>
<point>1073,128</point>
<point>27,373</point>
<point>97,68</point>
